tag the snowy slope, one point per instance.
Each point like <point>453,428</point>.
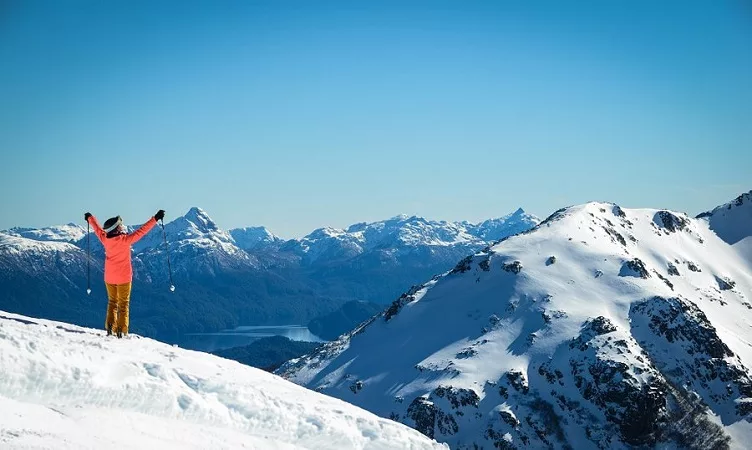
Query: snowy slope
<point>732,222</point>
<point>600,328</point>
<point>66,387</point>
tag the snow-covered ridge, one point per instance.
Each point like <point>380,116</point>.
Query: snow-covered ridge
<point>565,335</point>
<point>405,232</point>
<point>732,221</point>
<point>67,387</point>
<point>14,244</point>
<point>59,233</point>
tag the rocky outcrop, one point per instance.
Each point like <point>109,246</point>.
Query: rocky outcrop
<point>629,391</point>
<point>438,413</point>
<point>682,342</point>
<point>670,221</point>
<point>514,267</point>
<point>634,267</point>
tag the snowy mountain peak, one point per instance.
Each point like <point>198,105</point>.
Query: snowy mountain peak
<point>602,327</point>
<point>200,219</point>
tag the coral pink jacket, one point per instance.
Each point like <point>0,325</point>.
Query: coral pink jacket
<point>117,249</point>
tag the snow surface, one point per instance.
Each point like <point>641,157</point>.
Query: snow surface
<point>67,387</point>
<point>512,317</point>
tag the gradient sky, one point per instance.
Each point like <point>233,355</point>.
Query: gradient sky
<point>296,115</point>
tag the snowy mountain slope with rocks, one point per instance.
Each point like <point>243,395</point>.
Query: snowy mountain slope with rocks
<point>67,387</point>
<point>601,328</point>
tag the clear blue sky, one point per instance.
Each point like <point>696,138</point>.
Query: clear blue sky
<point>296,115</point>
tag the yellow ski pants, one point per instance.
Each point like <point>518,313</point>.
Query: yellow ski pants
<point>117,307</point>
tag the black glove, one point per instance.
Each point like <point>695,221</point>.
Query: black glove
<point>159,215</point>
<point>86,216</point>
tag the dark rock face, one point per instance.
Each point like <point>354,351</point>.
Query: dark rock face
<point>356,386</point>
<point>514,267</point>
<point>615,235</point>
<point>404,299</point>
<point>693,267</point>
<point>464,265</point>
<point>670,221</point>
<point>423,413</point>
<point>457,397</point>
<point>637,407</point>
<point>684,344</point>
<point>634,266</point>
<point>664,279</point>
<point>672,270</point>
<point>437,415</point>
<point>551,260</point>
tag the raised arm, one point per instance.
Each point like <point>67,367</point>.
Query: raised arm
<point>141,232</point>
<point>98,231</point>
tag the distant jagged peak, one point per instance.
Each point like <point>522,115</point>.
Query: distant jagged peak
<point>325,232</point>
<point>200,219</point>
<point>253,237</point>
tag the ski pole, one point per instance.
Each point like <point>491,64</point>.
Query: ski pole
<point>88,259</point>
<point>167,249</point>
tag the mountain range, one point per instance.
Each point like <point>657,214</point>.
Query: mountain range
<point>244,276</point>
<point>602,327</point>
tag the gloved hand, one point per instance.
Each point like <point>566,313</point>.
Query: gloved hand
<point>86,216</point>
<point>159,215</point>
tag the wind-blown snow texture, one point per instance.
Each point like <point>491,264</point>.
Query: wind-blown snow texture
<point>600,328</point>
<point>67,387</point>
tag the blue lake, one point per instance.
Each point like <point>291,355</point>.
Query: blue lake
<point>244,335</point>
